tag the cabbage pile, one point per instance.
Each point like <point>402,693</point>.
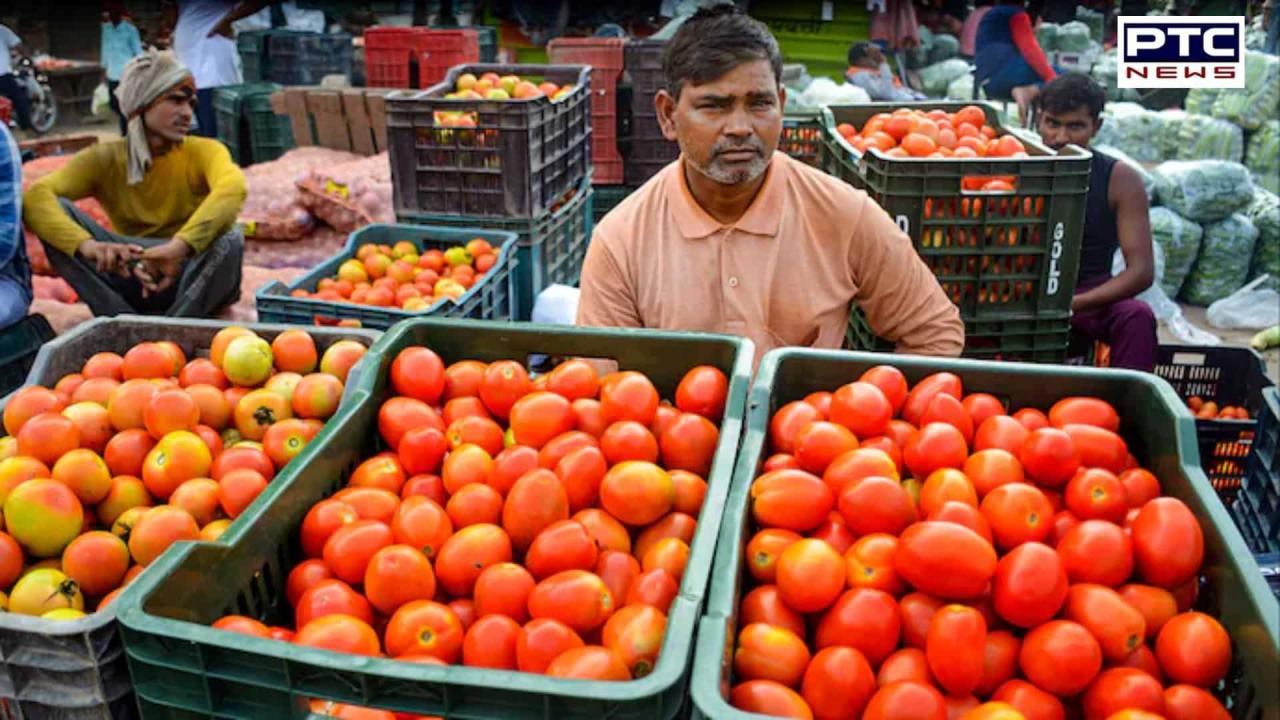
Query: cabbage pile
<point>1203,190</point>
<point>1223,265</point>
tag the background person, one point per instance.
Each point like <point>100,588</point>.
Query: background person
<point>1008,60</point>
<point>869,71</point>
<point>9,85</point>
<point>120,44</point>
<point>15,270</point>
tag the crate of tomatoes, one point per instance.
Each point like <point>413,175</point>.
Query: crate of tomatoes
<point>1222,386</point>
<point>131,434</point>
<point>927,539</point>
<point>388,273</point>
<point>474,540</point>
<point>998,217</point>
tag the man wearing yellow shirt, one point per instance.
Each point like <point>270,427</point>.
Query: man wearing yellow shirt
<point>172,199</point>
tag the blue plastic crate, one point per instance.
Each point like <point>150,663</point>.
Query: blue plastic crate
<point>491,298</point>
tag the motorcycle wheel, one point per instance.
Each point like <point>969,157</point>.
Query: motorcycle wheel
<point>44,111</point>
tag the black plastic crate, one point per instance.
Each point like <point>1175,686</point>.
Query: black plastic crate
<point>491,298</point>
<point>19,344</point>
<point>996,253</point>
<point>1265,461</point>
<point>252,45</point>
<point>1029,339</point>
<point>647,151</point>
<point>802,138</point>
<point>551,247</point>
<point>302,58</point>
<point>516,158</point>
<point>1226,376</point>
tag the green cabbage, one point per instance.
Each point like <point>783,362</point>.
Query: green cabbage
<point>1263,155</point>
<point>1264,213</point>
<point>1200,100</point>
<point>1258,101</point>
<point>1047,36</point>
<point>1073,37</point>
<point>1179,238</point>
<point>961,88</point>
<point>944,47</point>
<point>935,78</point>
<point>1203,190</point>
<point>1223,264</point>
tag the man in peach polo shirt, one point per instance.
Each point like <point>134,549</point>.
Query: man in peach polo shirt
<point>735,238</point>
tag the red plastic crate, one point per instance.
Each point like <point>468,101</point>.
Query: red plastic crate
<point>6,110</point>
<point>387,67</point>
<point>605,56</point>
<point>440,50</point>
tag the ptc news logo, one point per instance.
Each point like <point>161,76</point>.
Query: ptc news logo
<point>1181,52</point>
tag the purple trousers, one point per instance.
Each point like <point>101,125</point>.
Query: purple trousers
<point>1128,326</point>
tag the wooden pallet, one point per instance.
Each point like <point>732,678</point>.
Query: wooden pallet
<point>351,119</point>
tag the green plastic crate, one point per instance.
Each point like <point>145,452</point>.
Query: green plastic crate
<point>491,298</point>
<point>551,248</point>
<point>802,137</point>
<point>270,135</point>
<point>1025,339</point>
<point>1161,435</point>
<point>77,668</point>
<point>996,254</point>
<point>243,109</point>
<point>606,198</point>
<point>252,45</point>
<point>182,668</point>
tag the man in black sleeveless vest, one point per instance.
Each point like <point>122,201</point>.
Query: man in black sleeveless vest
<point>1104,307</point>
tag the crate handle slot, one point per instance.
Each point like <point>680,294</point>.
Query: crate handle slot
<point>977,185</point>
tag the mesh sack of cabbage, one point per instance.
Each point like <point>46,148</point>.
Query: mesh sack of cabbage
<point>1129,127</point>
<point>1257,101</point>
<point>1223,264</point>
<point>1203,190</point>
<point>1201,137</point>
<point>1180,240</point>
<point>962,88</point>
<point>935,78</point>
<point>1073,37</point>
<point>349,196</point>
<point>944,47</point>
<point>1262,157</point>
<point>1200,100</point>
<point>1047,36</point>
<point>1264,213</point>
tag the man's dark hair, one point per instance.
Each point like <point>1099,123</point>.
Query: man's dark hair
<point>1072,91</point>
<point>859,51</point>
<point>712,42</point>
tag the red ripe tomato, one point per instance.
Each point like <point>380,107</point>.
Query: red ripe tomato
<point>1018,513</point>
<point>820,400</point>
<point>891,382</point>
<point>655,587</point>
<point>787,423</point>
<point>321,521</point>
<point>1097,551</point>
<point>541,641</point>
<point>703,391</point>
<point>1049,457</point>
<point>1187,702</point>
<point>834,532</point>
<point>1139,486</point>
<point>769,698</point>
<point>505,382</point>
<point>1145,660</point>
<point>1096,494</point>
<point>339,633</point>
<point>422,449</point>
<point>766,652</point>
<point>1194,648</point>
<point>1030,585</point>
<point>981,406</point>
<point>937,445</point>
<point>330,597</point>
<point>790,499</point>
<point>1099,448</point>
<point>945,560</point>
<point>999,661</point>
<point>965,515</point>
<point>349,549</point>
<point>574,380</point>
<point>905,664</point>
<point>869,563</point>
<point>864,619</point>
<point>1031,701</point>
<point>810,575</point>
<point>491,642</point>
<point>947,409</point>
<point>838,683</point>
<point>303,576</point>
<point>922,394</point>
<point>906,701</point>
<point>399,415</point>
<point>1118,627</point>
<point>504,589</point>
<point>629,396</point>
<point>955,648</point>
<point>1119,689</point>
<point>1060,657</point>
<point>578,598</point>
<point>862,408</point>
<point>689,444</point>
<point>1157,605</point>
<point>418,373</point>
<point>916,611</point>
<point>858,464</point>
<point>990,468</point>
<point>764,605</point>
<point>820,442</point>
<point>1085,411</point>
<point>876,505</point>
<point>1001,431</point>
<point>1031,419</point>
<point>539,417</point>
<point>1168,545</point>
<point>946,485</point>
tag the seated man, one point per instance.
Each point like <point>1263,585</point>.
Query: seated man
<point>869,71</point>
<point>735,238</point>
<point>15,270</point>
<point>1104,307</point>
<point>172,198</point>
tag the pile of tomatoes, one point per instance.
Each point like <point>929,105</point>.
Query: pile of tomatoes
<point>400,277</point>
<point>540,525</point>
<point>922,554</point>
<point>912,132</point>
<point>1209,410</point>
<point>85,463</point>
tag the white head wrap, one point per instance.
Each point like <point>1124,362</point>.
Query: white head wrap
<point>146,78</point>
